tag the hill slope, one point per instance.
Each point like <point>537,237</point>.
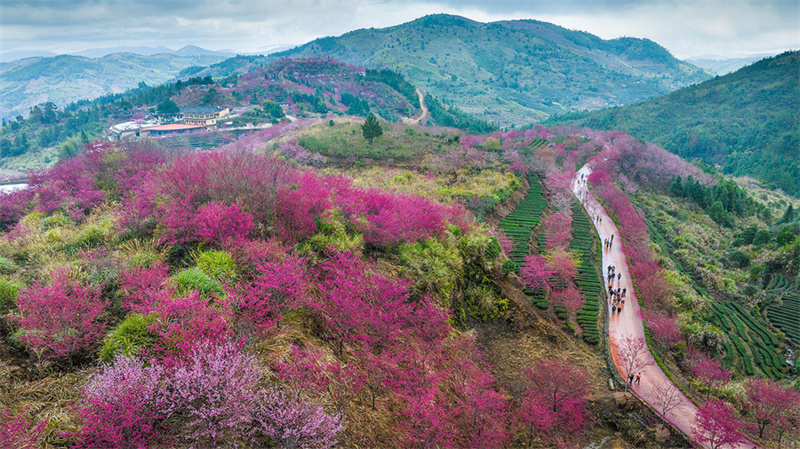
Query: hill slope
<point>511,72</point>
<point>747,121</point>
<point>67,78</point>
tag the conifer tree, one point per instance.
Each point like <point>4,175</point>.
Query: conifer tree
<point>371,128</point>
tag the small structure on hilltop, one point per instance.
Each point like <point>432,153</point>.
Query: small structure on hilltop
<point>190,119</point>
<point>172,128</point>
<point>203,115</point>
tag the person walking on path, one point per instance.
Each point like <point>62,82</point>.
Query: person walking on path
<point>638,377</point>
<point>630,379</point>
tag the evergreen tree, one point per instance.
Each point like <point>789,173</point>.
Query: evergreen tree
<point>168,107</point>
<point>371,128</point>
<point>788,216</point>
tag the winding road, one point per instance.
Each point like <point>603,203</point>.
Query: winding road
<point>628,324</point>
<point>423,115</point>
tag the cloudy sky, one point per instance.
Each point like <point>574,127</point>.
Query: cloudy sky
<point>688,28</point>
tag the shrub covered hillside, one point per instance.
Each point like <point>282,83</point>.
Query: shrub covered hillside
<point>228,298</point>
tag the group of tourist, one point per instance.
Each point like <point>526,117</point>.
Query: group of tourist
<point>608,242</point>
<point>616,296</point>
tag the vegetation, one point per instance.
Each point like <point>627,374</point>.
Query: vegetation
<point>65,79</point>
<point>746,121</point>
<point>509,72</point>
<point>371,128</point>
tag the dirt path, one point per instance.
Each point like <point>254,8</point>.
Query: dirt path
<point>628,324</point>
<point>423,116</point>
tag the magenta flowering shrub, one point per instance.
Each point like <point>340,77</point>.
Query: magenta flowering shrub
<point>361,305</point>
<point>277,283</point>
<point>598,177</point>
<point>294,423</point>
<point>123,406</point>
<point>141,289</point>
<point>393,219</point>
<point>59,319</point>
<point>213,392</point>
<point>188,322</point>
<point>17,432</point>
<point>558,230</point>
<point>536,272</point>
<point>663,327</point>
<point>13,206</point>
<point>68,186</point>
<point>216,222</point>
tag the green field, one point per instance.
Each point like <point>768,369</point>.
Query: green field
<point>518,226</point>
<point>752,346</point>
<point>783,310</point>
<point>588,281</point>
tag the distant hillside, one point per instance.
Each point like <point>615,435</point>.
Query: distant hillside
<point>725,66</point>
<point>510,72</point>
<point>747,121</point>
<point>64,79</point>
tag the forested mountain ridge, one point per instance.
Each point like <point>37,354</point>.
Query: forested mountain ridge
<point>67,78</point>
<point>508,72</point>
<point>747,121</point>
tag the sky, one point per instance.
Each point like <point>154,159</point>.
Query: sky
<point>687,28</point>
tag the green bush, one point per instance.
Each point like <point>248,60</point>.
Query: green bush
<point>7,266</point>
<point>142,259</point>
<point>8,293</point>
<point>483,303</point>
<point>219,265</point>
<point>56,220</point>
<point>129,338</point>
<point>509,266</point>
<point>762,237</point>
<point>90,236</point>
<point>194,279</point>
<point>333,233</point>
<point>436,268</point>
<point>739,259</point>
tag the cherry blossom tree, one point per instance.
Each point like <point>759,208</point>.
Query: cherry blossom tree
<point>708,371</point>
<point>536,272</point>
<point>667,397</point>
<point>772,406</point>
<point>632,356</point>
<point>717,425</point>
<point>554,400</point>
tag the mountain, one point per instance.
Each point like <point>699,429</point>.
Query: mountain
<point>725,66</point>
<point>66,78</point>
<point>747,121</point>
<point>511,72</point>
<point>22,54</point>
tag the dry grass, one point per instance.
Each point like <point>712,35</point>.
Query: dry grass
<point>43,394</point>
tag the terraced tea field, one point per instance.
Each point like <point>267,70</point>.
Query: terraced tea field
<point>518,226</point>
<point>784,308</point>
<point>520,222</point>
<point>588,279</point>
<point>752,345</point>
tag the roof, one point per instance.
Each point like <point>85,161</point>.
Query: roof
<point>200,110</point>
<point>172,127</point>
